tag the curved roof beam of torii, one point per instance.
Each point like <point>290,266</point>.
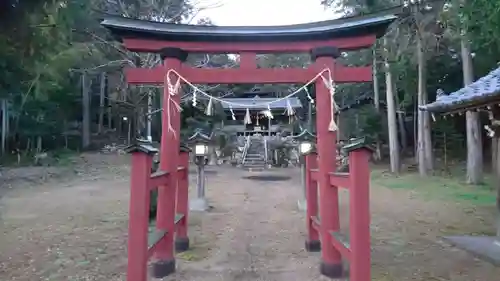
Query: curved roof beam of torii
<point>345,33</point>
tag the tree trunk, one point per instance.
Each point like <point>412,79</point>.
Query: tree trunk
<point>110,116</point>
<point>391,115</point>
<point>415,128</point>
<point>376,104</point>
<point>212,160</point>
<point>402,131</point>
<point>474,140</point>
<point>86,111</point>
<point>425,157</point>
<point>5,120</point>
<point>102,92</point>
<point>400,115</point>
<point>493,155</point>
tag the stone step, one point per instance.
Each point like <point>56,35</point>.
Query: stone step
<point>254,165</point>
<point>255,155</point>
<point>255,159</point>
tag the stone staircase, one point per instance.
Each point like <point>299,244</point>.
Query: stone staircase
<point>255,156</point>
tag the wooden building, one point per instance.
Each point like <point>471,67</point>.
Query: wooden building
<point>483,95</point>
<point>260,120</point>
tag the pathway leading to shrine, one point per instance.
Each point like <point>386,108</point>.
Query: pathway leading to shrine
<point>75,229</point>
<point>259,231</point>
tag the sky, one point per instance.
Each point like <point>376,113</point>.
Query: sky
<point>266,12</point>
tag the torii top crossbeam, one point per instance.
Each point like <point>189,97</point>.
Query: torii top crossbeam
<point>344,34</point>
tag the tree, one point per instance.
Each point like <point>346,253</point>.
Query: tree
<point>391,114</point>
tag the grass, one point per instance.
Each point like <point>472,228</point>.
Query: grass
<point>449,187</point>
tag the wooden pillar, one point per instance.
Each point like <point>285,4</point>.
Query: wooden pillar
<point>182,205</point>
<point>142,161</point>
<point>359,214</point>
<point>331,262</point>
<point>312,243</point>
<point>169,160</point>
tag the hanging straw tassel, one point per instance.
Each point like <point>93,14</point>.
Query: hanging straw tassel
<point>232,113</point>
<point>289,109</point>
<point>269,113</point>
<point>311,100</point>
<point>194,98</point>
<point>209,110</point>
<point>333,126</point>
<point>247,119</point>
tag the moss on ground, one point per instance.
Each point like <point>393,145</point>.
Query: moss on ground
<point>450,187</point>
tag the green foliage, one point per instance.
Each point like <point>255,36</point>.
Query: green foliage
<point>43,55</point>
<point>447,140</point>
<point>441,27</point>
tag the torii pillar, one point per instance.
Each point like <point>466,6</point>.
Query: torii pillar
<point>164,263</point>
<point>331,259</point>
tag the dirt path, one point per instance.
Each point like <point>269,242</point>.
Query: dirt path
<point>260,232</point>
<point>76,230</point>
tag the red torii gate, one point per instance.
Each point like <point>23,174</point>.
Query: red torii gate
<point>324,41</point>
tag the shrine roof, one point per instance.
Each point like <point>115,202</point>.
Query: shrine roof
<point>361,101</point>
<point>257,103</point>
<point>348,26</point>
<point>482,92</point>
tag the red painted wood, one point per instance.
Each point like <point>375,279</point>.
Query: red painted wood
<point>145,45</point>
<point>259,76</point>
<point>326,140</point>
<point>311,197</point>
<point>315,223</point>
<point>158,180</point>
<point>359,215</point>
<point>138,217</point>
<point>176,187</point>
<point>182,195</point>
<point>169,155</point>
<point>344,251</point>
<point>248,60</point>
<point>340,180</point>
<point>314,174</point>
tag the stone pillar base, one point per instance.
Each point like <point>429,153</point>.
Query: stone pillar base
<point>302,204</point>
<point>199,204</point>
<point>162,269</point>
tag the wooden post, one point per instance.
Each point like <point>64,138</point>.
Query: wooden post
<point>139,215</point>
<point>149,117</point>
<point>359,214</point>
<point>331,263</point>
<point>86,110</point>
<point>169,160</point>
<point>102,93</point>
<point>313,243</point>
<point>182,205</point>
